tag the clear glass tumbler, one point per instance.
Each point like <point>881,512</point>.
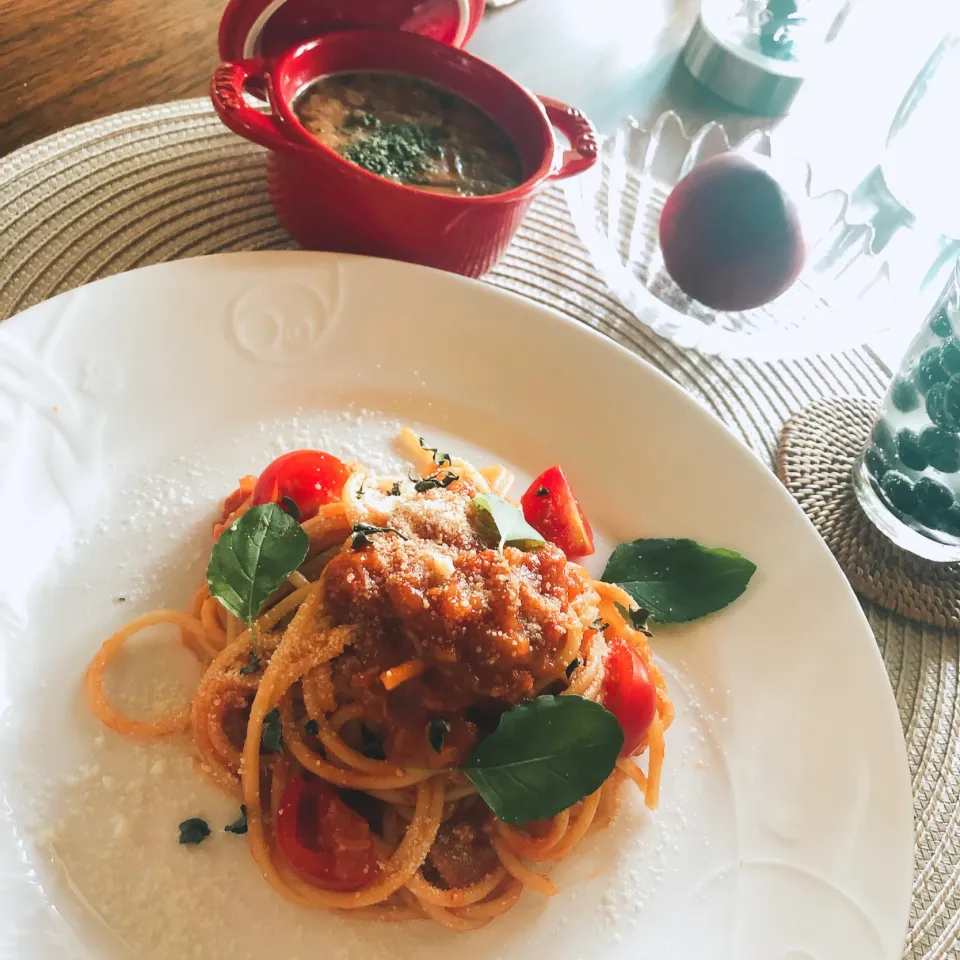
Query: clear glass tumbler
<point>907,478</point>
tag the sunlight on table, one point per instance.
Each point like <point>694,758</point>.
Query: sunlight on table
<point>840,119</point>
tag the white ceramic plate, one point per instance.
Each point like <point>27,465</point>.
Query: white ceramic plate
<point>127,408</point>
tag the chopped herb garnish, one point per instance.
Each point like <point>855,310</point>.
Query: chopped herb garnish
<point>395,489</point>
<point>312,727</point>
<point>400,151</point>
<point>571,666</point>
<point>435,482</point>
<point>363,531</point>
<point>358,119</point>
<point>440,459</point>
<point>289,506</point>
<point>599,624</point>
<point>252,665</point>
<point>271,737</point>
<point>240,824</point>
<point>194,831</point>
<point>439,728</point>
<point>542,492</point>
<point>370,744</point>
<point>636,618</point>
<point>120,600</point>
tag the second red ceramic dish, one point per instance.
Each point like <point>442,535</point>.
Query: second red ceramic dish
<point>328,203</point>
<point>268,28</point>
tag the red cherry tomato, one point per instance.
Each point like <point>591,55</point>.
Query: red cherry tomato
<point>629,693</point>
<point>326,843</point>
<point>310,478</point>
<point>550,507</point>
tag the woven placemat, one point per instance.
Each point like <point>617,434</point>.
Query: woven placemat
<point>166,182</point>
<point>814,458</point>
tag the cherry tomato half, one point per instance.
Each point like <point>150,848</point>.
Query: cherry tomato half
<point>629,693</point>
<point>310,478</point>
<point>550,507</point>
<point>325,841</point>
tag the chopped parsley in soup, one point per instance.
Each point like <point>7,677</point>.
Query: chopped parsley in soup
<point>410,131</point>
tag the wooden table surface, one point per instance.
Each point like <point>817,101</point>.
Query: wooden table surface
<point>63,62</point>
<point>66,61</point>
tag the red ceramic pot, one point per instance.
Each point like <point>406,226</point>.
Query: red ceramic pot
<point>268,28</point>
<point>328,203</point>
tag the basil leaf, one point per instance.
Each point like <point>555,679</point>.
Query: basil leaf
<point>678,580</point>
<point>253,557</point>
<point>194,831</point>
<point>545,755</point>
<point>508,522</point>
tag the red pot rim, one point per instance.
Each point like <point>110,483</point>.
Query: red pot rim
<point>245,21</point>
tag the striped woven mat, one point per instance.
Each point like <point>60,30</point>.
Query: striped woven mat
<point>169,181</point>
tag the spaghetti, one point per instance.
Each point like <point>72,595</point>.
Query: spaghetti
<point>379,669</point>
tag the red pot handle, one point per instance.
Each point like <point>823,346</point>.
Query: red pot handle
<point>226,92</point>
<point>579,131</point>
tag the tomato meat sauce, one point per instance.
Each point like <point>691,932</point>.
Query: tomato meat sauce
<point>484,623</point>
<point>447,625</point>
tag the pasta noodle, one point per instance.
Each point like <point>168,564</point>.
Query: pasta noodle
<point>323,680</point>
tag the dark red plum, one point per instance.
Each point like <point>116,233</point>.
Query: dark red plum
<point>731,235</point>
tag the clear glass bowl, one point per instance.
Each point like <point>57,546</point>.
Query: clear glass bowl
<point>842,298</point>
